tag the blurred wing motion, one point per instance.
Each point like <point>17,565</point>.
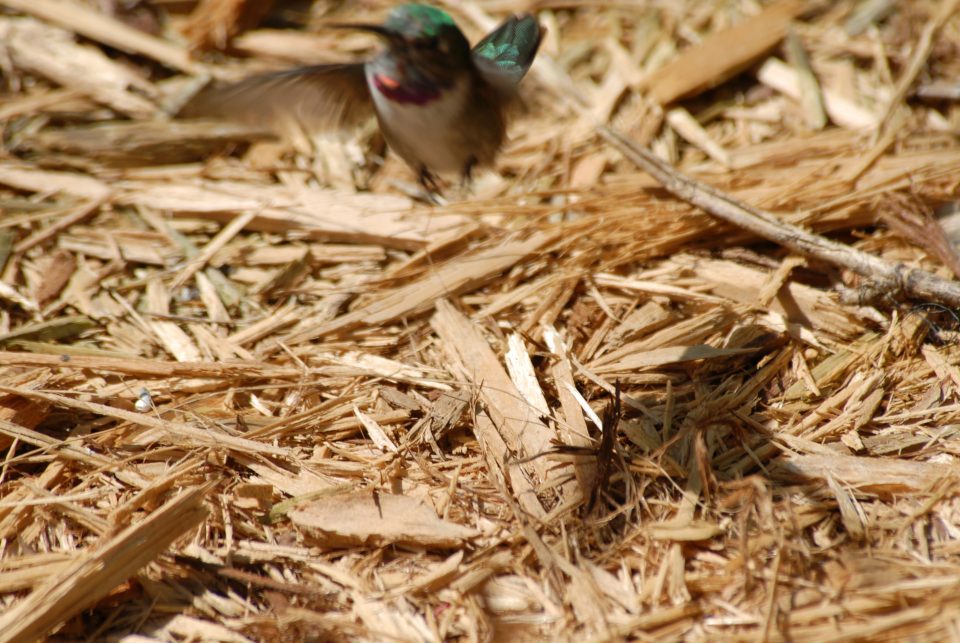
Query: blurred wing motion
<point>321,97</point>
<point>506,53</point>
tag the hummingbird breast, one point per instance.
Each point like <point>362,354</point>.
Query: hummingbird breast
<point>446,129</point>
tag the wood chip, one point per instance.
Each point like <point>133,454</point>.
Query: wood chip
<point>352,519</point>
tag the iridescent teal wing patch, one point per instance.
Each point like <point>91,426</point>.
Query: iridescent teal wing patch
<point>506,53</point>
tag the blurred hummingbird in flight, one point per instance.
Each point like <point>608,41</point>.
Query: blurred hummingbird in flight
<point>440,104</point>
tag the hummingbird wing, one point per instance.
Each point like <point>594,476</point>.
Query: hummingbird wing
<point>320,97</point>
<point>506,53</point>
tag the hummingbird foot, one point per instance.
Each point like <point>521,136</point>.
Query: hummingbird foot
<point>466,181</point>
<point>431,187</point>
<point>428,180</point>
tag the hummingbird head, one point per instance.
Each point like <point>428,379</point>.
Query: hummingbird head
<point>425,51</point>
<point>428,31</point>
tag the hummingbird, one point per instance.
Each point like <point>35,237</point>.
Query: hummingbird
<point>440,104</point>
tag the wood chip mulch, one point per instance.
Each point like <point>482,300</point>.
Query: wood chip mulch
<point>683,366</point>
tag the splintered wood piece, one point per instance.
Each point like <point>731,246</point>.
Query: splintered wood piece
<point>40,101</point>
<point>687,126</point>
<point>223,237</point>
<point>505,468</point>
<point>462,274</point>
<point>688,332</point>
<point>378,519</point>
<point>723,54</point>
<point>440,246</point>
<point>214,22</point>
<point>517,421</point>
<point>921,52</point>
<point>664,356</point>
<point>32,179</point>
<point>86,21</point>
<point>68,219</point>
<point>168,333</point>
<point>799,303</point>
<point>127,144</point>
<point>523,375</point>
<point>811,98</point>
<point>59,267</point>
<point>93,574</point>
<point>150,368</point>
<point>59,328</point>
<point>844,112</point>
<point>572,427</point>
<point>869,474</point>
<point>295,47</point>
<point>53,53</point>
<point>184,433</point>
<point>320,214</point>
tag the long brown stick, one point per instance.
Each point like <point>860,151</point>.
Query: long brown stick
<point>891,278</point>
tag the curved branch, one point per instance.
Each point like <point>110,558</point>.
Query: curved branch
<point>893,278</point>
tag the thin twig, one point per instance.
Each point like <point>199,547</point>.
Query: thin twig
<point>890,278</point>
